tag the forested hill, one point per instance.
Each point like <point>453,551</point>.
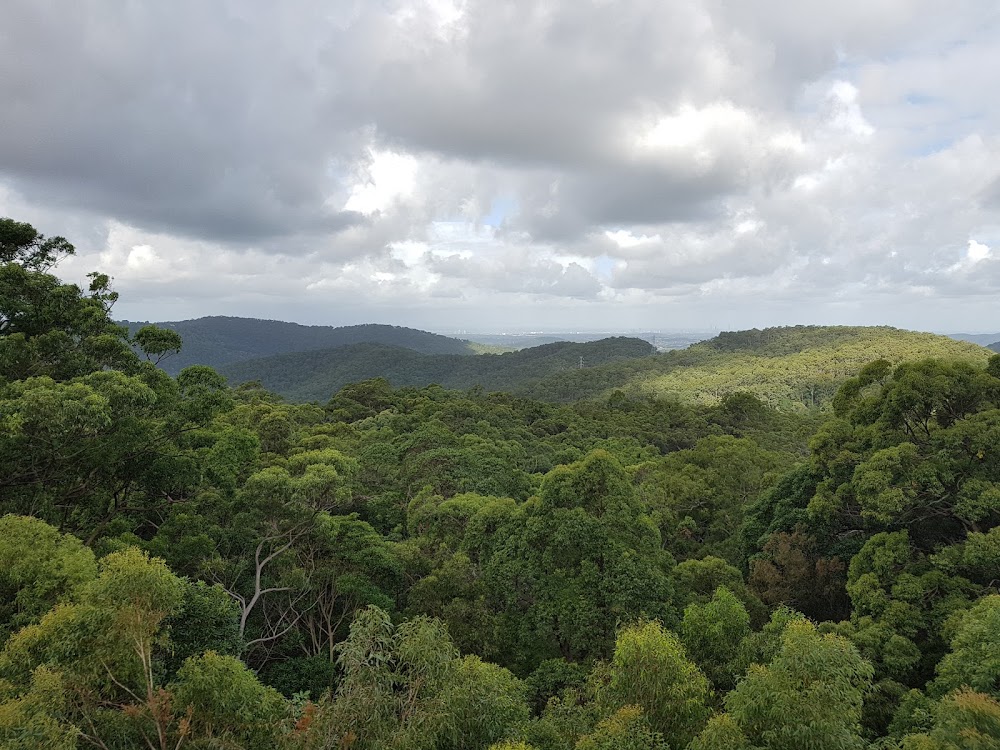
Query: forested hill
<point>792,367</point>
<point>316,375</point>
<point>217,341</point>
<point>188,565</point>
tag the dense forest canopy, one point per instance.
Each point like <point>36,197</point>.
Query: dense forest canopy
<point>187,564</point>
<point>791,368</point>
<point>315,375</point>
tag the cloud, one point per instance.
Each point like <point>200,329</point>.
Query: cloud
<point>739,162</point>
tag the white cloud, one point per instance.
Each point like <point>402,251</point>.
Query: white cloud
<point>977,251</point>
<point>390,177</point>
<point>697,161</point>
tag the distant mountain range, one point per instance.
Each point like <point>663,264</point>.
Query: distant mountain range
<point>983,339</point>
<point>789,367</point>
<point>792,367</point>
<point>318,374</point>
<point>219,341</point>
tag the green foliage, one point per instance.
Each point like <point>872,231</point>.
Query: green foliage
<point>36,718</point>
<point>317,374</point>
<point>650,669</point>
<point>809,697</point>
<point>721,733</point>
<point>712,634</point>
<point>580,558</point>
<point>48,328</point>
<point>104,649</point>
<point>348,555</point>
<point>625,729</point>
<point>408,687</point>
<point>551,678</point>
<point>207,620</point>
<point>226,704</point>
<point>964,720</point>
<point>791,368</point>
<point>157,343</point>
<point>698,495</point>
<point>974,659</point>
<point>39,567</point>
<point>22,244</point>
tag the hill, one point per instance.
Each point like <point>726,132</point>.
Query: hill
<point>218,341</point>
<point>316,375</point>
<point>790,367</point>
<point>983,339</point>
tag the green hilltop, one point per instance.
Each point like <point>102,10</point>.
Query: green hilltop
<point>793,367</point>
<point>790,368</point>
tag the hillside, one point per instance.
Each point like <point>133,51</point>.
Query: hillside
<point>218,341</point>
<point>316,375</point>
<point>790,368</point>
<point>185,563</point>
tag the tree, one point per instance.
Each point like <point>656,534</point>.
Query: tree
<point>275,512</point>
<point>347,566</point>
<point>650,669</point>
<point>712,634</point>
<point>407,686</point>
<point>808,698</point>
<point>39,567</point>
<point>625,729</point>
<point>791,571</point>
<point>50,328</point>
<point>105,650</point>
<point>581,558</point>
<point>35,718</point>
<point>974,659</point>
<point>226,705</point>
<point>22,244</point>
<point>964,720</point>
<point>157,343</point>
<point>721,733</point>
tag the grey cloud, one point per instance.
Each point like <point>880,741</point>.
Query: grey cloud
<point>520,273</point>
<point>183,117</point>
<point>241,128</point>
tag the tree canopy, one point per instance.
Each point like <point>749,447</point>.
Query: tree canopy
<point>184,563</point>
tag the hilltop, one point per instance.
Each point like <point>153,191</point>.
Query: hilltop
<point>792,367</point>
<point>217,341</point>
<point>316,375</point>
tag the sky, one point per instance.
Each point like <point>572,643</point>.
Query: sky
<point>500,165</point>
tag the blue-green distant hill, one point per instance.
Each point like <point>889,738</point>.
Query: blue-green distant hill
<point>218,341</point>
<point>317,375</point>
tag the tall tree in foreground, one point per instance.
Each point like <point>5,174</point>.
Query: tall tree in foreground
<point>808,698</point>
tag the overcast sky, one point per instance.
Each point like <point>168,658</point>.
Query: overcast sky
<point>665,164</point>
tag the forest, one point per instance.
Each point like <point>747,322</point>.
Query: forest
<point>314,375</point>
<point>190,564</point>
<point>791,368</point>
<point>217,341</point>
